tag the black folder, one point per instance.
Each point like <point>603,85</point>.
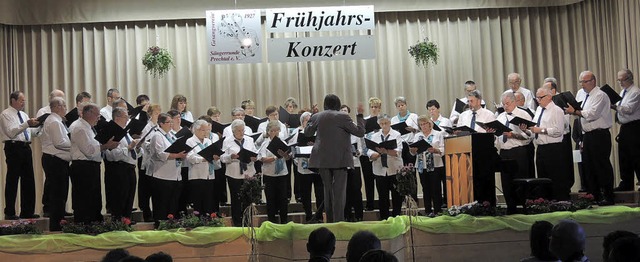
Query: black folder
<point>291,120</point>
<point>218,127</point>
<point>371,124</point>
<point>253,122</point>
<point>499,127</point>
<point>185,123</point>
<point>421,144</point>
<point>435,127</point>
<point>130,108</point>
<point>277,144</point>
<point>178,146</point>
<point>214,149</point>
<point>135,111</point>
<point>517,121</point>
<point>465,129</point>
<point>135,126</point>
<point>288,139</point>
<point>184,132</point>
<point>109,130</point>
<point>255,136</point>
<point>304,140</point>
<point>42,118</point>
<point>144,138</point>
<point>389,144</point>
<point>246,155</point>
<point>526,109</point>
<point>613,96</point>
<point>102,123</point>
<point>354,149</point>
<point>401,127</point>
<point>71,116</point>
<point>566,98</point>
<point>460,106</point>
<point>499,110</point>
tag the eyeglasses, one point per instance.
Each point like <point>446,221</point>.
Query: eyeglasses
<point>541,97</point>
<point>586,81</point>
<point>622,80</point>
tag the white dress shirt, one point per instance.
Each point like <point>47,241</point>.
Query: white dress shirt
<point>12,129</point>
<point>359,148</point>
<point>186,115</point>
<point>437,141</point>
<point>227,132</point>
<point>596,112</point>
<point>122,152</point>
<point>483,115</point>
<point>145,144</point>
<point>160,166</point>
<point>198,165</point>
<point>106,112</point>
<point>83,144</point>
<point>513,142</point>
<point>394,163</point>
<point>443,122</point>
<point>301,162</point>
<point>454,116</point>
<point>412,121</point>
<point>629,107</point>
<point>55,138</point>
<point>44,110</point>
<point>553,121</point>
<point>229,146</point>
<point>269,169</point>
<point>262,128</point>
<point>528,97</point>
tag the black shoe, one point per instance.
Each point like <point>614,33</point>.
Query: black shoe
<point>605,203</point>
<point>32,216</point>
<point>45,214</point>
<point>68,214</point>
<point>619,188</point>
<point>368,208</point>
<point>11,217</point>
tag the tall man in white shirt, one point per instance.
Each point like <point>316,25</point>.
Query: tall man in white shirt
<point>47,186</point>
<point>112,95</point>
<point>56,155</point>
<point>547,135</point>
<point>16,136</point>
<point>596,145</point>
<point>513,146</point>
<point>628,115</point>
<point>476,113</point>
<point>85,166</point>
<point>514,80</point>
<point>47,109</point>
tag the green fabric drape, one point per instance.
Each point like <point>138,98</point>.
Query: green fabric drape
<point>388,229</point>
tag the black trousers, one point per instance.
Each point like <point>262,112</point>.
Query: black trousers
<point>110,183</point>
<point>124,177</point>
<point>220,184</point>
<point>531,149</point>
<point>385,185</point>
<point>183,199</point>
<point>144,192</point>
<point>201,194</point>
<point>567,151</point>
<point>307,181</point>
<point>19,169</point>
<point>275,190</point>
<point>596,147</point>
<point>552,164</point>
<point>165,194</point>
<point>521,156</point>
<point>237,206</point>
<point>57,172</point>
<point>432,189</point>
<point>369,180</point>
<point>628,154</point>
<point>354,195</point>
<point>86,191</point>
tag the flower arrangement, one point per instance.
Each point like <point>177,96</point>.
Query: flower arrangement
<point>424,52</point>
<point>96,228</point>
<point>193,220</point>
<point>23,226</point>
<point>251,189</point>
<point>406,181</point>
<point>476,209</point>
<point>540,205</point>
<point>157,61</point>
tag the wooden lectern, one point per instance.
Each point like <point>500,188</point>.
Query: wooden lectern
<point>469,163</point>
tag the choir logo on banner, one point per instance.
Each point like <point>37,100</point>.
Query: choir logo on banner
<point>234,36</point>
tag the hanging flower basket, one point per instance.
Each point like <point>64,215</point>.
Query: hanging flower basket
<point>157,61</point>
<point>424,52</point>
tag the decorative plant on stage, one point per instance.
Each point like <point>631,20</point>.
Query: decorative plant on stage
<point>476,209</point>
<point>191,221</point>
<point>157,61</point>
<point>22,226</point>
<point>96,228</point>
<point>406,185</point>
<point>540,205</point>
<point>424,52</point>
<point>250,194</point>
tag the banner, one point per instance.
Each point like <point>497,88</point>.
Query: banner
<point>333,18</point>
<point>321,48</point>
<point>234,36</point>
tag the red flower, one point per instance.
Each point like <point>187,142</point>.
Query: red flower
<point>170,216</point>
<point>213,215</point>
<point>126,221</point>
<point>63,222</point>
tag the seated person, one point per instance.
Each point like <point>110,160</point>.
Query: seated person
<point>360,243</point>
<point>568,241</point>
<point>321,245</point>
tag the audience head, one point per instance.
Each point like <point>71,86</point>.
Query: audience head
<point>612,237</point>
<point>332,102</point>
<point>625,78</point>
<point>159,257</point>
<point>131,259</point>
<point>322,242</point>
<point>179,102</point>
<point>539,240</point>
<point>625,249</point>
<point>249,106</point>
<point>115,255</point>
<point>567,240</point>
<point>378,255</point>
<point>360,243</point>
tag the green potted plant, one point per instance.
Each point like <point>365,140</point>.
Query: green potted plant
<point>424,52</point>
<point>157,61</point>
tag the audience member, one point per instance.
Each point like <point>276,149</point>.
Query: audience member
<point>360,243</point>
<point>159,257</point>
<point>131,259</point>
<point>612,237</point>
<point>625,249</point>
<point>378,255</point>
<point>321,244</point>
<point>567,241</point>
<point>115,255</point>
<point>539,242</point>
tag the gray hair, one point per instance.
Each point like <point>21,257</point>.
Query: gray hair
<point>551,80</point>
<point>237,110</point>
<point>509,96</point>
<point>475,93</point>
<point>119,112</point>
<point>111,91</point>
<point>383,117</point>
<point>87,107</point>
<point>547,91</point>
<point>117,102</point>
<point>272,124</point>
<point>199,123</point>
<point>237,123</point>
<point>56,93</point>
<point>628,73</point>
<point>400,99</point>
<point>56,101</point>
<point>304,115</point>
